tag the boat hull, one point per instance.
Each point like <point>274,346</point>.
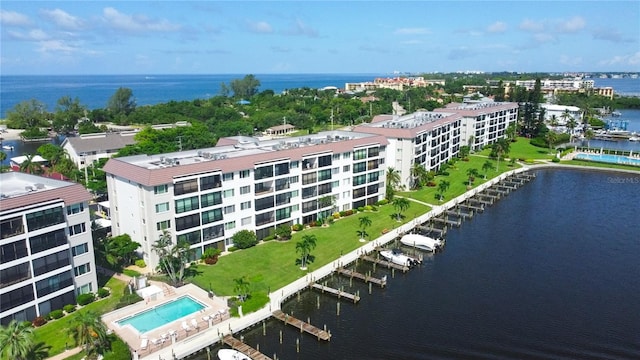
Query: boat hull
<point>399,259</point>
<point>230,354</point>
<point>421,242</point>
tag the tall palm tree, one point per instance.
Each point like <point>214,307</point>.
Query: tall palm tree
<point>571,125</point>
<point>500,148</point>
<point>89,332</point>
<point>488,165</point>
<point>442,188</point>
<point>3,156</point>
<point>364,222</point>
<point>393,181</point>
<point>401,205</point>
<point>553,121</point>
<point>30,166</point>
<point>472,174</point>
<point>242,287</point>
<point>589,134</point>
<point>304,248</point>
<point>551,137</point>
<point>39,351</point>
<point>16,340</point>
<point>419,176</point>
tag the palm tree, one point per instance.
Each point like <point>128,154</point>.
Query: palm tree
<point>419,176</point>
<point>571,125</point>
<point>511,132</point>
<point>488,165</point>
<point>442,188</point>
<point>364,223</point>
<point>30,166</point>
<point>499,148</point>
<point>89,332</point>
<point>393,181</point>
<point>589,134</point>
<point>551,138</point>
<point>401,205</point>
<point>304,247</point>
<point>472,174</point>
<point>16,340</point>
<point>242,287</point>
<point>463,153</point>
<point>553,121</point>
<point>3,156</point>
<point>172,257</point>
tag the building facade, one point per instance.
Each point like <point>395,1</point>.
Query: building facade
<point>205,196</point>
<point>46,248</point>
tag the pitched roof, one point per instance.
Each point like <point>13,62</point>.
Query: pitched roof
<point>100,141</point>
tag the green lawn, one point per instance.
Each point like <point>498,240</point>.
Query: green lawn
<point>271,265</point>
<point>522,149</point>
<point>57,333</point>
<point>458,179</point>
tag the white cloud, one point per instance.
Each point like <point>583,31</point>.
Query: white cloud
<point>412,31</point>
<point>32,35</point>
<point>497,27</point>
<point>411,42</point>
<point>612,35</point>
<point>63,19</point>
<point>530,25</point>
<point>12,18</point>
<point>574,24</point>
<point>58,46</point>
<point>136,23</point>
<point>300,28</point>
<point>570,60</point>
<point>543,38</point>
<point>631,60</point>
<point>260,27</point>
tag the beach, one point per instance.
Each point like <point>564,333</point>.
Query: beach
<point>10,134</point>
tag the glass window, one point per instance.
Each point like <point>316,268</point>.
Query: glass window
<point>264,203</point>
<point>229,209</point>
<point>212,232</point>
<point>346,168</point>
<point>227,176</point>
<point>294,164</point>
<point>77,229</point>
<point>282,214</point>
<point>162,207</point>
<point>346,155</point>
<point>324,175</point>
<point>360,154</point>
<point>245,221</point>
<point>245,173</point>
<point>245,190</point>
<point>47,241</point>
<point>228,193</point>
<point>75,208</point>
<point>359,167</point>
<point>82,269</point>
<point>191,238</point>
<point>185,187</point>
<point>14,274</point>
<point>210,182</point>
<point>13,251</point>
<point>281,169</point>
<point>11,227</point>
<point>187,222</point>
<point>160,189</point>
<point>374,151</point>
<point>263,172</point>
<point>188,204</point>
<point>211,199</point>
<point>230,225</point>
<point>57,282</point>
<point>245,205</point>
<point>162,225</point>
<point>50,262</point>
<point>211,216</point>
<point>324,160</point>
<point>44,218</point>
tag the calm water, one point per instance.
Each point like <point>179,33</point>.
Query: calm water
<point>163,314</point>
<point>550,272</point>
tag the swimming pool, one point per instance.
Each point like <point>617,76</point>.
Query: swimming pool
<point>162,314</point>
<point>612,159</point>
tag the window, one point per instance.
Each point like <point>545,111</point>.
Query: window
<point>282,214</point>
<point>294,165</point>
<point>282,199</point>
<point>359,167</point>
<point>309,192</point>
<point>191,238</point>
<point>162,225</point>
<point>11,227</point>
<point>282,184</point>
<point>358,193</point>
<point>245,221</point>
<point>160,189</point>
<point>245,205</point>
<point>14,274</point>
<point>75,208</point>
<point>282,169</point>
<point>265,218</point>
<point>336,157</point>
<point>13,251</point>
<point>264,203</point>
<point>211,199</point>
<point>44,218</point>
<point>211,216</point>
<point>212,232</point>
<point>294,179</point>
<point>188,204</point>
<point>230,225</point>
<point>210,182</point>
<point>373,152</point>
<point>360,154</point>
<point>346,155</point>
<point>50,262</point>
<point>346,168</point>
<point>80,249</point>
<point>263,172</point>
<point>77,229</point>
<point>229,209</point>
<point>82,269</point>
<point>245,190</point>
<point>309,178</point>
<point>245,174</point>
<point>324,175</point>
<point>324,188</point>
<point>309,206</point>
<point>162,207</point>
<point>228,193</point>
<point>359,180</point>
<point>47,241</point>
<point>56,282</point>
<point>187,222</point>
<point>185,187</point>
<point>324,160</point>
<point>227,176</point>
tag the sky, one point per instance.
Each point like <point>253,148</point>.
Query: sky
<point>275,37</point>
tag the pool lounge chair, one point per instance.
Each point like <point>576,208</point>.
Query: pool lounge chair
<point>186,327</point>
<point>144,343</point>
<point>156,342</point>
<point>194,323</point>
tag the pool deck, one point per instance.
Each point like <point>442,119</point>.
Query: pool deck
<point>215,307</point>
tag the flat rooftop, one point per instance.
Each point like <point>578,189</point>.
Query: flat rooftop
<point>15,183</point>
<point>19,190</point>
<point>411,121</point>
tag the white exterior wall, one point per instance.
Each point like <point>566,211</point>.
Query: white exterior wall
<point>88,282</point>
<point>488,127</point>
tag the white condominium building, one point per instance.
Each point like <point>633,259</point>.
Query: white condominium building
<point>46,248</point>
<point>205,196</point>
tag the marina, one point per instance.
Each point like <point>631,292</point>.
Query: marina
<point>244,348</point>
<point>339,293</point>
<point>303,326</point>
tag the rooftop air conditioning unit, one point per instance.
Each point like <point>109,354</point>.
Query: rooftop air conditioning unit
<point>222,156</point>
<point>200,153</point>
<point>39,186</point>
<point>162,159</point>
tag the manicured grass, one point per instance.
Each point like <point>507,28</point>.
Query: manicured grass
<point>600,165</point>
<point>57,333</point>
<point>522,149</point>
<point>458,179</point>
<point>272,265</point>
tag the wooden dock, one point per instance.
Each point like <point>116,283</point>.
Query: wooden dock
<point>244,348</point>
<point>340,294</point>
<point>303,326</point>
<point>353,274</point>
<point>383,262</point>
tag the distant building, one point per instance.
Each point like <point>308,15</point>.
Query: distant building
<point>46,257</point>
<point>84,150</point>
<point>396,83</point>
<point>280,130</point>
<point>558,112</point>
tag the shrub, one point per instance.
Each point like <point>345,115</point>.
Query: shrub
<point>336,215</point>
<point>374,208</point>
<point>140,263</point>
<point>297,227</point>
<point>368,208</point>
<point>444,173</point>
<point>361,209</point>
<point>313,223</point>
<point>56,314</point>
<point>233,248</point>
<point>119,351</point>
<point>283,232</point>
<point>269,238</point>
<point>84,299</point>
<point>102,292</point>
<point>244,239</point>
<point>382,202</point>
<point>431,184</point>
<point>39,321</point>
<point>555,160</point>
<point>347,212</point>
<point>71,308</point>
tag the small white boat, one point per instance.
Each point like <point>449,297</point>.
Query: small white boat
<point>634,138</point>
<point>230,354</point>
<point>422,242</point>
<point>7,147</point>
<point>399,258</point>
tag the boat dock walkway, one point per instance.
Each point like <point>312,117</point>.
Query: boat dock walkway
<point>244,348</point>
<point>385,263</point>
<point>303,326</point>
<point>339,293</point>
<point>366,278</point>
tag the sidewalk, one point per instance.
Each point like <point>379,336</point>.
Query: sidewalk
<point>66,354</point>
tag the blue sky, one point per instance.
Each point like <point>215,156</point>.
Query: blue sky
<point>260,37</point>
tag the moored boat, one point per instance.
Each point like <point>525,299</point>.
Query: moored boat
<point>397,257</point>
<point>422,242</point>
<point>230,354</point>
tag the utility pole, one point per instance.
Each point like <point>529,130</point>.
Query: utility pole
<point>332,119</point>
<point>179,143</point>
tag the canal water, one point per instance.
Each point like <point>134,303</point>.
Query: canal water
<point>549,272</point>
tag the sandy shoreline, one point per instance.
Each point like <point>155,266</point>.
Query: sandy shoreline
<point>11,134</point>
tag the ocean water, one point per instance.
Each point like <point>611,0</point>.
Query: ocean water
<point>94,91</point>
<point>548,272</point>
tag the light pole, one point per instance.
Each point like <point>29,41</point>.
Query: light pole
<point>86,176</point>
